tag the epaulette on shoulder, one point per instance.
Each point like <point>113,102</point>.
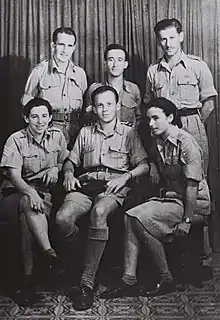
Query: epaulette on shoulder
<point>156,62</point>
<point>41,64</point>
<point>52,129</point>
<point>191,56</point>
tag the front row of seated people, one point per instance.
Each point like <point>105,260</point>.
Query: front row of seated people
<point>111,155</point>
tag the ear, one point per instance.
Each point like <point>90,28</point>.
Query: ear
<point>181,36</point>
<point>52,45</point>
<point>170,118</point>
<point>26,119</point>
<point>51,117</point>
<point>94,109</point>
<point>118,106</point>
<point>125,65</point>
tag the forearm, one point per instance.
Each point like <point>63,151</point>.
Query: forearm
<point>190,198</point>
<point>207,108</point>
<point>20,184</point>
<point>68,168</point>
<point>141,169</point>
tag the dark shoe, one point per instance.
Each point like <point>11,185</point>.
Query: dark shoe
<point>84,298</point>
<point>162,288</point>
<point>122,290</point>
<point>54,266</point>
<point>26,296</point>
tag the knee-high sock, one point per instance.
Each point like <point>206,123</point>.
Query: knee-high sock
<point>131,253</point>
<point>97,239</point>
<point>156,248</point>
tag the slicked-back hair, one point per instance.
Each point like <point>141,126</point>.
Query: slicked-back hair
<point>115,46</point>
<point>36,102</point>
<point>167,23</point>
<point>168,108</point>
<point>103,89</point>
<point>66,30</point>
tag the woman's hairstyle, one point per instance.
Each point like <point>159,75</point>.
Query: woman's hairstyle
<point>168,108</point>
<point>36,102</point>
<point>101,89</point>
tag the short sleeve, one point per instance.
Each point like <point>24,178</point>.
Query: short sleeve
<point>191,157</point>
<point>137,152</point>
<point>206,85</point>
<point>75,153</point>
<point>148,95</point>
<point>63,154</point>
<point>11,156</point>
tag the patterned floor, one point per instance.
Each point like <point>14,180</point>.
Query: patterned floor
<point>193,304</point>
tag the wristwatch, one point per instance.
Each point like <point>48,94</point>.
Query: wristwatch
<point>187,220</point>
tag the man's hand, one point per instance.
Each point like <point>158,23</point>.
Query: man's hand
<point>154,174</point>
<point>182,229</point>
<point>36,202</point>
<point>114,185</point>
<point>70,182</point>
<point>51,176</point>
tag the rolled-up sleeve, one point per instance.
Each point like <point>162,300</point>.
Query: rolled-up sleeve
<point>31,87</point>
<point>191,158</point>
<point>137,152</point>
<point>11,157</point>
<point>63,154</point>
<point>206,85</point>
<point>75,153</point>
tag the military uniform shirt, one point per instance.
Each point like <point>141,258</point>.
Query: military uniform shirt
<point>120,150</point>
<point>22,151</point>
<point>188,84</point>
<point>63,91</point>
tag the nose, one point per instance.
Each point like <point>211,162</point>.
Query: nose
<point>40,120</point>
<point>168,42</point>
<point>114,63</point>
<point>151,123</point>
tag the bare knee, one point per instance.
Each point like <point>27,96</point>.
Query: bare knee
<point>25,204</point>
<point>64,217</point>
<point>99,216</point>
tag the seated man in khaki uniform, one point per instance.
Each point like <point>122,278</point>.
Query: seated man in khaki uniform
<point>61,82</point>
<point>111,154</point>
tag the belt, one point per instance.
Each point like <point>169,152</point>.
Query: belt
<point>104,169</point>
<point>184,112</point>
<point>62,116</point>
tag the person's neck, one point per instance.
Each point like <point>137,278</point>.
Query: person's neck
<point>166,134</point>
<point>116,82</point>
<point>37,137</point>
<point>62,66</point>
<point>172,61</point>
<point>109,127</point>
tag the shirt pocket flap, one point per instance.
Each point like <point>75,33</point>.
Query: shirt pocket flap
<point>89,149</point>
<point>47,84</point>
<point>117,149</point>
<point>187,81</point>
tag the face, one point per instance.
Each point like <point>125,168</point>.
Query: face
<point>170,41</point>
<point>38,120</point>
<point>106,106</point>
<point>116,63</point>
<point>64,47</point>
<point>159,123</point>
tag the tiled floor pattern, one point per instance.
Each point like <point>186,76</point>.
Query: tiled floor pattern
<point>193,304</point>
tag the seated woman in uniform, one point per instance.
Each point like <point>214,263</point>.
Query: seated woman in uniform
<point>178,159</point>
<point>31,160</point>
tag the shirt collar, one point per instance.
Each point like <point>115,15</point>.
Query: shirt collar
<point>172,138</point>
<point>31,138</point>
<point>70,68</point>
<point>183,59</point>
<point>126,86</point>
<point>118,127</point>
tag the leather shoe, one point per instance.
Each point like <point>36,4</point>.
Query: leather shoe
<point>162,288</point>
<point>122,290</point>
<point>84,298</point>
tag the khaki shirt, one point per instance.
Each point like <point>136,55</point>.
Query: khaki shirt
<point>34,159</point>
<point>180,158</point>
<point>120,150</point>
<point>188,84</point>
<point>63,91</point>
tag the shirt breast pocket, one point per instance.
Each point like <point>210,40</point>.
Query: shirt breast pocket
<point>75,95</point>
<point>118,157</point>
<point>31,163</point>
<point>158,87</point>
<point>50,89</point>
<point>188,89</point>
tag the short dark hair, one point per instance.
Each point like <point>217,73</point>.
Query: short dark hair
<point>102,89</point>
<point>168,108</point>
<point>115,46</point>
<point>167,23</point>
<point>66,30</point>
<point>36,102</point>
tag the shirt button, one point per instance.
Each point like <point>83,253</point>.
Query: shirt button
<point>64,95</point>
<point>172,93</point>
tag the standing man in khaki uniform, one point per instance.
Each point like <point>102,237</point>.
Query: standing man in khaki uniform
<point>185,80</point>
<point>61,82</point>
<point>116,62</point>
